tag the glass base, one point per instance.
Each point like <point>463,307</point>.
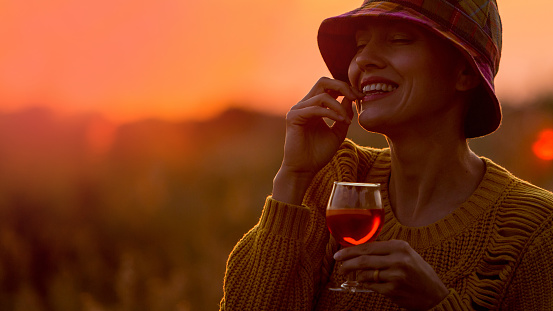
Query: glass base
<point>352,287</point>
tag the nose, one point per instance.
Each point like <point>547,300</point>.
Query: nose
<point>370,56</point>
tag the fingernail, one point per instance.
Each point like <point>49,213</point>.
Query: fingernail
<point>337,255</point>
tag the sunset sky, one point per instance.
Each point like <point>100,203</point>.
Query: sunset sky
<point>173,59</point>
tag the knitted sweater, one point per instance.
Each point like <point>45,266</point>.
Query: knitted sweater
<point>493,252</point>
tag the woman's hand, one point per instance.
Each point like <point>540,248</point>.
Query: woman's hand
<point>310,142</point>
<point>403,275</point>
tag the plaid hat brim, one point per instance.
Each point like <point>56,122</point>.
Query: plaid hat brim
<point>336,39</point>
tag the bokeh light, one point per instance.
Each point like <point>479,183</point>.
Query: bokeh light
<point>543,147</point>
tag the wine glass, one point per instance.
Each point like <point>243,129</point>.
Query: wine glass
<point>354,216</point>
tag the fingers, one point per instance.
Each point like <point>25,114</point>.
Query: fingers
<point>334,88</point>
<point>372,276</point>
<point>324,94</point>
<point>324,100</point>
<point>381,255</point>
<point>330,108</point>
<point>373,248</point>
<point>365,262</point>
<point>302,116</point>
<point>341,128</point>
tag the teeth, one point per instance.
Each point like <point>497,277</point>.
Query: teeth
<point>378,87</point>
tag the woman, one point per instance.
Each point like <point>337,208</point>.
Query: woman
<point>460,232</point>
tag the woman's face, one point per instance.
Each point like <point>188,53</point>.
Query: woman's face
<point>409,77</point>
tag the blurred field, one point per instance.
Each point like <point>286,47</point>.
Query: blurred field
<point>142,216</point>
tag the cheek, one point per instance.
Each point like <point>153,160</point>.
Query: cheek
<point>353,73</point>
<point>411,64</point>
<point>427,70</point>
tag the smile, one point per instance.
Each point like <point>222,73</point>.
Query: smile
<point>378,88</point>
<point>375,91</point>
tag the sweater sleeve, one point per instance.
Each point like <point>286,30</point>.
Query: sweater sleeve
<point>285,260</point>
<point>532,284</point>
<point>268,270</point>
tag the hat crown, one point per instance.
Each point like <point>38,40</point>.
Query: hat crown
<point>475,21</point>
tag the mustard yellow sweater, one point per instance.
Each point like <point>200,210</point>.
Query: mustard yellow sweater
<point>494,251</point>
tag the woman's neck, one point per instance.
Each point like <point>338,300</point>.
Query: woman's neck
<point>431,177</point>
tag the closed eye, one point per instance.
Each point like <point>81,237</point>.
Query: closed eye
<point>400,40</point>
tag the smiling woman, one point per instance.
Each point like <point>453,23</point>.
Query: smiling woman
<point>459,231</point>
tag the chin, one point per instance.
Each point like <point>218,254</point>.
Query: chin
<point>374,122</point>
<point>372,125</point>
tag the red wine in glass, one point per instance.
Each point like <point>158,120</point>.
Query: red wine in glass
<point>354,226</point>
<point>354,216</point>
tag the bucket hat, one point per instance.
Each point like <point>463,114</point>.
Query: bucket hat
<point>473,26</point>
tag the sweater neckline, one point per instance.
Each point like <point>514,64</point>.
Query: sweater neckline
<point>488,192</point>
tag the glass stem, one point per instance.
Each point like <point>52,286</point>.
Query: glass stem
<point>351,281</point>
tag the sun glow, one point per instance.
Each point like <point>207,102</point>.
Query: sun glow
<point>543,147</point>
<point>172,59</point>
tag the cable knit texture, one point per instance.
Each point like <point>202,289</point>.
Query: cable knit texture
<point>493,252</point>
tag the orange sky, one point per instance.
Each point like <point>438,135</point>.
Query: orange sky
<point>174,58</point>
